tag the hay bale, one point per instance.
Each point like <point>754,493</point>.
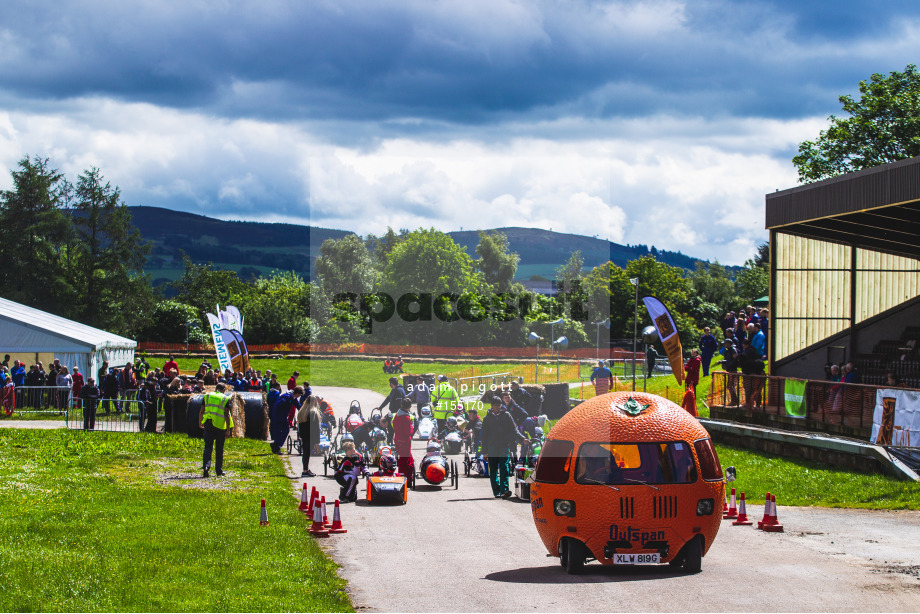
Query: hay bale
<point>255,415</point>
<point>238,413</point>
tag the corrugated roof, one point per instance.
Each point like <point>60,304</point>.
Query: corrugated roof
<point>62,327</point>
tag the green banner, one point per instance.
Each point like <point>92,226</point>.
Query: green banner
<point>795,398</point>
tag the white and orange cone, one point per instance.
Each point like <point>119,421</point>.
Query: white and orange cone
<point>337,520</point>
<point>774,526</point>
<point>742,514</point>
<point>724,504</point>
<point>317,529</point>
<point>304,502</point>
<point>263,515</point>
<point>732,508</point>
<point>326,522</point>
<point>766,513</point>
<point>313,496</point>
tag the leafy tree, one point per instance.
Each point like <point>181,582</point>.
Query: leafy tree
<point>571,271</point>
<point>752,282</point>
<point>609,294</point>
<point>167,324</point>
<point>33,234</point>
<point>762,258</point>
<point>668,285</point>
<point>884,126</point>
<point>109,252</point>
<point>497,264</point>
<point>346,265</point>
<point>204,287</point>
<point>713,293</point>
<point>277,310</point>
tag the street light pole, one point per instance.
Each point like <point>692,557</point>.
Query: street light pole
<point>635,281</point>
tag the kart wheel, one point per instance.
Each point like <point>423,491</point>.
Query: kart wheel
<point>290,445</point>
<point>573,556</point>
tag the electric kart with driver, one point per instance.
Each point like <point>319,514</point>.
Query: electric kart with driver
<point>427,426</point>
<point>453,437</point>
<point>378,441</point>
<point>334,457</point>
<point>354,419</point>
<point>386,485</point>
<point>436,468</point>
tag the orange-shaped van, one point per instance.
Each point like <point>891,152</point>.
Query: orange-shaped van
<point>628,478</point>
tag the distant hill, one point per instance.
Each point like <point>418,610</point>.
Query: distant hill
<point>254,248</point>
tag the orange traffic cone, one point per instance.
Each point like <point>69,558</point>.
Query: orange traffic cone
<point>325,517</point>
<point>304,503</point>
<point>732,509</point>
<point>263,515</point>
<point>313,495</point>
<point>774,526</point>
<point>337,520</point>
<point>742,513</point>
<point>317,529</point>
<point>766,513</point>
<point>724,504</point>
<point>689,403</point>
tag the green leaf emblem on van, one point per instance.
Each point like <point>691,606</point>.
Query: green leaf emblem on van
<point>632,407</point>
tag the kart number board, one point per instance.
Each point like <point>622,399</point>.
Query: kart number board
<point>635,559</point>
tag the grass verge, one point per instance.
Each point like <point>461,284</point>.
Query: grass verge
<point>123,522</point>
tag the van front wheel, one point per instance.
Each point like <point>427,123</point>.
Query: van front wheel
<point>572,556</point>
<point>690,558</point>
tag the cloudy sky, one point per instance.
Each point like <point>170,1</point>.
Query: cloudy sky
<point>656,122</point>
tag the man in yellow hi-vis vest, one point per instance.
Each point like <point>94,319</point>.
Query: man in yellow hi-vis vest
<point>216,421</point>
<point>445,400</point>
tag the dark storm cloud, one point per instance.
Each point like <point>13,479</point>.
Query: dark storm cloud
<point>464,62</point>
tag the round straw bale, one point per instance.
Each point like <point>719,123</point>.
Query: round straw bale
<point>238,413</point>
<point>255,413</point>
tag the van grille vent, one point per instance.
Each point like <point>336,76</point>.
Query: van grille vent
<point>664,507</point>
<point>627,507</point>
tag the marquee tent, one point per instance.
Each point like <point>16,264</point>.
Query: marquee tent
<point>29,335</point>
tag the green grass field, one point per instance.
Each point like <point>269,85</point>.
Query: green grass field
<point>101,522</point>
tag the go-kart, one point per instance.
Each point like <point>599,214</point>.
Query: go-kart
<point>435,468</point>
<point>373,453</point>
<point>386,485</point>
<point>335,455</point>
<point>524,467</point>
<point>475,464</point>
<point>354,419</point>
<point>295,443</point>
<point>427,426</point>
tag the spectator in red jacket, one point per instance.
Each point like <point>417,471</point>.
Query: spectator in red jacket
<point>292,383</point>
<point>169,366</point>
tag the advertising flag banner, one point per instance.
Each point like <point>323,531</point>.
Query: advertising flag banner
<point>667,332</point>
<point>896,421</point>
<point>794,393</point>
<point>227,332</point>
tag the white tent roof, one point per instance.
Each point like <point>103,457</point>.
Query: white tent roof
<point>65,334</point>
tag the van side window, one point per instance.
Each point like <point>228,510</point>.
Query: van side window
<point>554,462</point>
<point>709,460</point>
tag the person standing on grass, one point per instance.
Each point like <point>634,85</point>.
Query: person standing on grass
<point>708,347</point>
<point>214,417</point>
<point>147,404</point>
<point>90,394</point>
<point>692,369</point>
<point>308,421</point>
<point>651,356</point>
<point>601,378</point>
<point>498,436</point>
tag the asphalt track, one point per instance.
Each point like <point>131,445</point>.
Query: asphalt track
<point>464,551</point>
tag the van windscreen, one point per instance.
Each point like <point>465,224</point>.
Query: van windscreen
<point>635,463</point>
<point>554,462</point>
